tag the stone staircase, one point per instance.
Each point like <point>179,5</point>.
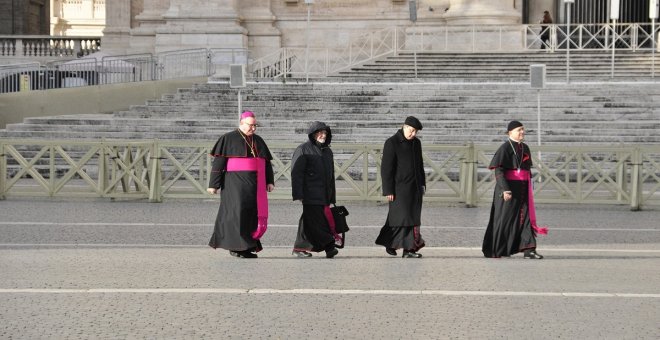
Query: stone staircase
<point>452,113</point>
<point>503,67</point>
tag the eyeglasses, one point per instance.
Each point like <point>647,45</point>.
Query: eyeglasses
<point>252,126</point>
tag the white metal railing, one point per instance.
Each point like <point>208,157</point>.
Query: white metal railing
<point>301,62</point>
<point>155,170</point>
<point>99,69</point>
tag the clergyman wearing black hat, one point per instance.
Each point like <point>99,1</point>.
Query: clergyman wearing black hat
<point>404,184</point>
<point>414,122</point>
<point>512,226</point>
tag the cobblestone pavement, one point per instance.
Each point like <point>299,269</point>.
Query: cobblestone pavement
<point>116,270</point>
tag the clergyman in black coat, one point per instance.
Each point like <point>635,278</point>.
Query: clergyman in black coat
<point>404,184</point>
<point>313,183</point>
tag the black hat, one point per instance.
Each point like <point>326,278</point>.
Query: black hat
<point>414,122</point>
<point>513,124</point>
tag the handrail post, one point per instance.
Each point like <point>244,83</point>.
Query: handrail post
<point>636,179</point>
<point>3,171</point>
<point>470,176</point>
<point>365,173</point>
<point>395,36</point>
<point>103,170</point>
<point>620,177</point>
<point>53,171</point>
<point>155,190</point>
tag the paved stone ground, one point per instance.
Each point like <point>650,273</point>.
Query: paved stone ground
<point>99,269</point>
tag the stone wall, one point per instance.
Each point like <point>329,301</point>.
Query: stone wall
<point>6,17</point>
<point>25,17</point>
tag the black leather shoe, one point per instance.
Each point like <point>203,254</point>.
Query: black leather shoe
<point>411,254</point>
<point>243,254</point>
<point>390,251</point>
<point>532,254</point>
<point>331,253</point>
<point>301,254</point>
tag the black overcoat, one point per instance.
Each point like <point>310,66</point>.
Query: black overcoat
<point>313,171</point>
<point>402,173</point>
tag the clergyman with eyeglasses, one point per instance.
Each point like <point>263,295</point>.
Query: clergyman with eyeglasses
<point>404,184</point>
<point>243,174</point>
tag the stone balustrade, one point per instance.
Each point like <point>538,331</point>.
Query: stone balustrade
<point>47,46</point>
<point>80,9</point>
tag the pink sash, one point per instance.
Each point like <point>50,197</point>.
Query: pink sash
<point>258,165</point>
<point>525,175</point>
<point>331,222</point>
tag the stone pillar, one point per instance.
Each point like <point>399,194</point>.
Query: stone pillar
<point>200,24</point>
<point>116,35</point>
<point>143,37</point>
<point>263,37</point>
<point>482,12</point>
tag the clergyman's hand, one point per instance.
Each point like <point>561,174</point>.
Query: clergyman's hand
<point>212,191</point>
<point>390,198</point>
<point>270,187</point>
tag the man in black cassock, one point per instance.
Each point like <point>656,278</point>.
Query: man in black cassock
<point>512,226</point>
<point>242,173</point>
<point>404,184</point>
<point>313,183</point>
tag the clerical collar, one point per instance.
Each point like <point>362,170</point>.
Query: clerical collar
<point>515,141</point>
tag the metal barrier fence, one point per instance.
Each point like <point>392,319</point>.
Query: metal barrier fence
<point>301,62</point>
<point>101,69</point>
<point>158,170</point>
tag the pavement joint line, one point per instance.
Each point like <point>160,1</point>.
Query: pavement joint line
<point>110,245</point>
<point>312,291</point>
<point>133,224</point>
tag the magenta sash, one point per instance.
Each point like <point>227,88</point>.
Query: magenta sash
<point>331,222</point>
<point>525,175</point>
<point>258,165</point>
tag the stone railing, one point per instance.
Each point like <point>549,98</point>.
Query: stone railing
<point>47,46</point>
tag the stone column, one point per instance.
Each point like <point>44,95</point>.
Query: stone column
<point>200,24</point>
<point>482,12</point>
<point>263,37</point>
<point>143,37</point>
<point>116,35</point>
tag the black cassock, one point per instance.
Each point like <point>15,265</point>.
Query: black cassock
<point>509,229</point>
<point>402,173</point>
<point>237,215</point>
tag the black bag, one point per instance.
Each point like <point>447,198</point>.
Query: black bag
<point>339,213</point>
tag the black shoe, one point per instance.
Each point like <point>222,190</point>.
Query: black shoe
<point>390,251</point>
<point>243,254</point>
<point>330,253</point>
<point>301,254</point>
<point>411,254</point>
<point>532,254</point>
